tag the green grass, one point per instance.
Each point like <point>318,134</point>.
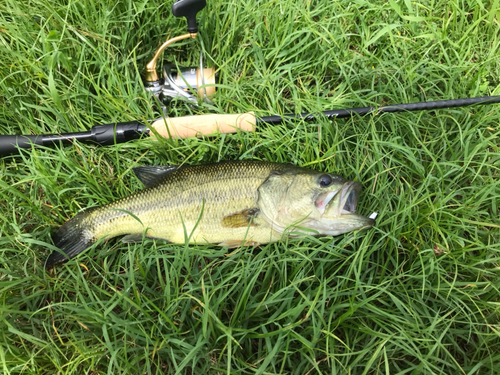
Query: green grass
<point>417,294</point>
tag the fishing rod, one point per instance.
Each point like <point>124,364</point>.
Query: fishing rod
<point>199,82</point>
<point>195,126</point>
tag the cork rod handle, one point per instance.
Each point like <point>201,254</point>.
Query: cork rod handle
<point>196,126</point>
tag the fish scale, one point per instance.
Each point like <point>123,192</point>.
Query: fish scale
<point>177,203</point>
<point>228,203</point>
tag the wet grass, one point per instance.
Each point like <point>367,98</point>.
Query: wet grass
<point>419,293</point>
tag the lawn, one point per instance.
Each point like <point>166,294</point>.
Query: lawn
<point>416,294</point>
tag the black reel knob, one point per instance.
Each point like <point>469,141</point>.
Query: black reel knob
<point>188,9</point>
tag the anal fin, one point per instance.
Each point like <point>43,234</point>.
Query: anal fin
<point>139,237</point>
<point>231,244</point>
<point>132,238</point>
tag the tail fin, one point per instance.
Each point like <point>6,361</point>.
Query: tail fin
<point>73,237</point>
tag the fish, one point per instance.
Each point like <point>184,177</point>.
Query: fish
<point>230,204</point>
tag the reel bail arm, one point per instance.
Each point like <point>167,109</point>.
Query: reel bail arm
<point>151,74</point>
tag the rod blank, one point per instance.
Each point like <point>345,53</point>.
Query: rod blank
<point>422,106</point>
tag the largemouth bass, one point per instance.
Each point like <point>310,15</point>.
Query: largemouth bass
<point>229,204</point>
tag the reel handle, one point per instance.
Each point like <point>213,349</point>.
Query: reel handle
<point>188,9</point>
<point>196,126</point>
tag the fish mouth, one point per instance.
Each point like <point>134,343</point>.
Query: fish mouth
<point>340,202</point>
<point>338,211</point>
<point>349,198</point>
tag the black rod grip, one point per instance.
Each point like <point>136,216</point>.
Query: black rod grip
<point>106,134</point>
<point>109,134</point>
<point>10,144</point>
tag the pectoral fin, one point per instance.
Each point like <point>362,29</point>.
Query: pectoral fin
<point>243,218</point>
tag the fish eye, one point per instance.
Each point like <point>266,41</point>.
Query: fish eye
<point>325,180</point>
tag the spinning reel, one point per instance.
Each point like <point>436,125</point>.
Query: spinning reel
<point>190,83</point>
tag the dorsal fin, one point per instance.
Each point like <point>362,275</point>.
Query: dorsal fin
<point>152,174</point>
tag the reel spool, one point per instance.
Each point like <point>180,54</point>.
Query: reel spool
<point>180,82</point>
<point>185,83</point>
